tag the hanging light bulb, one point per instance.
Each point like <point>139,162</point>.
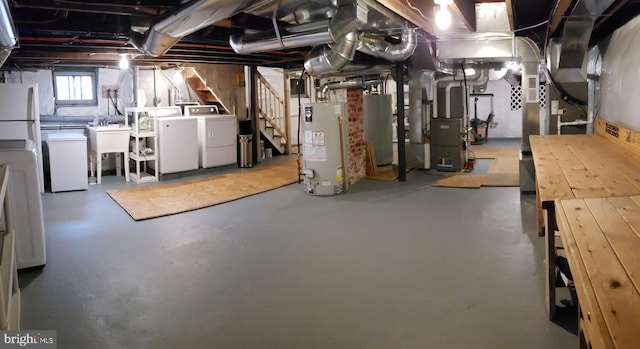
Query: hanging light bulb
<point>124,62</point>
<point>443,17</point>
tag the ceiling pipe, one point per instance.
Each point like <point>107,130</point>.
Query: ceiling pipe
<point>388,51</point>
<point>344,84</point>
<point>331,58</point>
<point>294,36</point>
<point>162,35</point>
<point>8,37</point>
<point>477,80</point>
<point>311,34</point>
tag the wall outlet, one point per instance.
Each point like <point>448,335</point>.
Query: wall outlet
<point>106,88</point>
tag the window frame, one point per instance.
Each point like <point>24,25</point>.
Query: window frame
<point>76,72</point>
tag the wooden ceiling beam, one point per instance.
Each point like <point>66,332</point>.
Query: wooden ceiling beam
<point>610,12</point>
<point>559,11</point>
<point>510,13</point>
<point>418,12</point>
<point>466,9</point>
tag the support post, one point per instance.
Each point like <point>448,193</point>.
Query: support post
<point>253,113</point>
<point>402,161</point>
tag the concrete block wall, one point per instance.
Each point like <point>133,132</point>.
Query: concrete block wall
<point>357,166</point>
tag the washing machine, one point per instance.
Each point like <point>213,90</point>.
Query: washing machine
<point>26,203</point>
<point>217,136</point>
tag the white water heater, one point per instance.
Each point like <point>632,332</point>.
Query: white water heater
<point>325,149</point>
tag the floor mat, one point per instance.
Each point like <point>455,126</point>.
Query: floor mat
<point>460,181</point>
<point>504,172</point>
<point>167,199</point>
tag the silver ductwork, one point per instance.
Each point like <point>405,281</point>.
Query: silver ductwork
<point>310,34</point>
<point>332,58</point>
<point>323,91</point>
<point>577,31</point>
<point>391,52</point>
<point>291,37</point>
<point>162,35</point>
<point>8,36</point>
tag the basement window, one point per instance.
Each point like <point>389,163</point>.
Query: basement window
<point>75,88</point>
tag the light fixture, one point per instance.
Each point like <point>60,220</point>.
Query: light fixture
<point>178,74</point>
<point>124,62</point>
<point>513,66</point>
<point>443,17</point>
<point>469,71</point>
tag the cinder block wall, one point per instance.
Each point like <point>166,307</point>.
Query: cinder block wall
<point>357,167</point>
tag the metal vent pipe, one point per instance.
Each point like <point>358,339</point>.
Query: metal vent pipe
<point>8,37</point>
<point>332,58</point>
<point>162,35</point>
<point>385,50</point>
<point>310,34</point>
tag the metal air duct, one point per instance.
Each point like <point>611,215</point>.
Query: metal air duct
<point>345,84</point>
<point>385,50</point>
<point>8,37</point>
<point>310,34</point>
<point>294,36</point>
<point>577,31</point>
<point>162,35</point>
<point>332,58</point>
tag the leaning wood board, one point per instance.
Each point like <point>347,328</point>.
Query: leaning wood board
<point>602,239</point>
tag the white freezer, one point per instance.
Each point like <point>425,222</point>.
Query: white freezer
<point>178,144</point>
<point>20,118</point>
<point>68,161</point>
<point>217,137</point>
<point>26,203</point>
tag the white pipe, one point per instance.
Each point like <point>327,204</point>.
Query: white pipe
<point>473,81</point>
<point>447,103</point>
<point>435,93</point>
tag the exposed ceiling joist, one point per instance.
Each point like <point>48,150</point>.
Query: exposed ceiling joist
<point>559,11</point>
<point>615,8</point>
<point>466,9</point>
<point>510,13</point>
<point>418,12</point>
<point>87,7</point>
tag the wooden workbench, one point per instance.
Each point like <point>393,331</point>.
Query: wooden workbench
<point>581,166</point>
<point>601,237</point>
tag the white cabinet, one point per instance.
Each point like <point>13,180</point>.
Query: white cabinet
<point>144,144</point>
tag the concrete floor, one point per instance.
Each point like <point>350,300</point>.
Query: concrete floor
<point>387,265</point>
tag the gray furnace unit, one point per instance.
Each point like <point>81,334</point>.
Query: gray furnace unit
<point>447,150</point>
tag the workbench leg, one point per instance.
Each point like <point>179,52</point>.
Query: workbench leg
<point>539,213</point>
<point>550,261</point>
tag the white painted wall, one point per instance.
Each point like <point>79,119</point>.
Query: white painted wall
<point>44,79</point>
<point>508,123</point>
<point>146,84</point>
<point>620,79</point>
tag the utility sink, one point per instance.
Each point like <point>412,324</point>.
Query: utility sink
<point>109,138</point>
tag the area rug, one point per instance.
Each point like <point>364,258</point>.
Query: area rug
<point>167,199</point>
<point>504,172</point>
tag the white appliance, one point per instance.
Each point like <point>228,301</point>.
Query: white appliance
<point>26,203</point>
<point>177,144</point>
<point>20,118</point>
<point>68,161</point>
<point>217,136</point>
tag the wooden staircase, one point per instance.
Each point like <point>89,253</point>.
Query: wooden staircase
<point>273,115</point>
<point>205,93</point>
